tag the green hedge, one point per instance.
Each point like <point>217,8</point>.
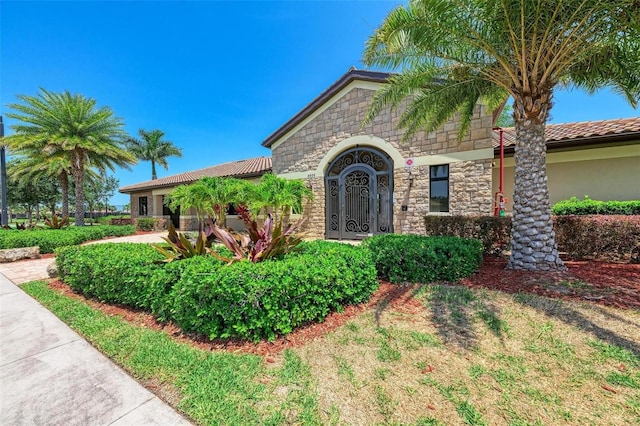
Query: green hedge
<point>603,237</point>
<point>50,239</point>
<point>145,223</point>
<point>244,299</point>
<point>587,206</point>
<point>256,300</point>
<point>494,232</point>
<point>416,258</point>
<point>111,272</point>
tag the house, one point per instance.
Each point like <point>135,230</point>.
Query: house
<point>366,180</point>
<point>147,198</point>
<point>600,159</point>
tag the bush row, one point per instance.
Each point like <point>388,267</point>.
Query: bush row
<point>201,294</point>
<point>494,232</point>
<point>151,223</point>
<point>587,206</point>
<point>415,258</point>
<point>50,239</point>
<point>614,238</point>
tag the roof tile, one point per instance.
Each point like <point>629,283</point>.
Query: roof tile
<point>242,168</point>
<point>558,133</point>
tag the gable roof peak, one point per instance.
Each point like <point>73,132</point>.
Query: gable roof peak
<point>351,75</point>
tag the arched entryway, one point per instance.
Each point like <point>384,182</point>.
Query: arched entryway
<point>359,194</point>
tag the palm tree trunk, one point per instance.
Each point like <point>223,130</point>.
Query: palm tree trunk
<point>77,170</point>
<point>533,244</point>
<point>63,178</point>
<point>154,176</point>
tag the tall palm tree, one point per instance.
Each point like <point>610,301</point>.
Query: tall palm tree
<point>152,148</point>
<point>453,53</point>
<point>66,125</point>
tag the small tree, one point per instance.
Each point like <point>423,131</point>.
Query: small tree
<point>281,196</point>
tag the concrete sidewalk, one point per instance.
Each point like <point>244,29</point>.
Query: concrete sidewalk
<point>49,375</point>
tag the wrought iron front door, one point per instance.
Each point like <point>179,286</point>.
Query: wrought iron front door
<point>359,194</point>
<point>357,202</point>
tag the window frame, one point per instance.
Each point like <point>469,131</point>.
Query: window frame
<point>439,179</point>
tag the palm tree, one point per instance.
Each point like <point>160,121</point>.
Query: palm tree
<point>280,195</point>
<point>39,164</point>
<point>453,53</point>
<point>208,196</point>
<point>152,148</point>
<point>69,126</point>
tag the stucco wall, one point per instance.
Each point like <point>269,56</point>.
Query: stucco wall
<point>601,179</point>
<point>305,152</point>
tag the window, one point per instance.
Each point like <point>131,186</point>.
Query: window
<point>142,206</point>
<point>439,188</point>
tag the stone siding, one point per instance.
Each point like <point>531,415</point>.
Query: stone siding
<point>304,149</point>
<point>470,187</point>
<point>469,181</point>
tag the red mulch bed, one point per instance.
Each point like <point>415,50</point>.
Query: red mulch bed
<point>609,284</point>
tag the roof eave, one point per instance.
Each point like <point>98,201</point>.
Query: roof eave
<point>581,142</point>
<point>128,190</point>
<point>351,75</point>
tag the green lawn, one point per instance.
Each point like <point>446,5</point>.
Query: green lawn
<point>453,356</point>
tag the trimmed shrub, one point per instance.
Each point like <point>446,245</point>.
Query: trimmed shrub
<point>599,237</point>
<point>203,295</point>
<point>256,300</point>
<point>145,223</point>
<point>612,238</point>
<point>493,232</point>
<point>111,272</point>
<point>416,258</point>
<point>587,206</point>
<point>50,239</point>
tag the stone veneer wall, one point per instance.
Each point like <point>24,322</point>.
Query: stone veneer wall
<point>470,181</point>
<point>304,150</point>
<point>470,187</point>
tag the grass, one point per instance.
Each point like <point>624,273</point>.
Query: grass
<point>460,357</point>
<point>209,387</point>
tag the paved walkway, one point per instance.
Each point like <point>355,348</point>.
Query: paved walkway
<point>49,375</point>
<point>29,270</point>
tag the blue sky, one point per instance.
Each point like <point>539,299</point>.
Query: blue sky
<point>217,77</point>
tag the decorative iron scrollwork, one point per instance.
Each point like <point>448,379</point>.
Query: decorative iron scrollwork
<point>359,194</point>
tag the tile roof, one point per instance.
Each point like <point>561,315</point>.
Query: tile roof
<point>582,132</point>
<point>243,168</point>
